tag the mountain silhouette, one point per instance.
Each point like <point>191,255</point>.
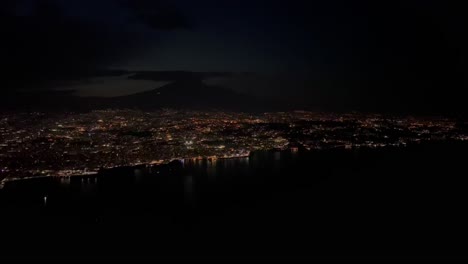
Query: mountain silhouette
<point>189,94</point>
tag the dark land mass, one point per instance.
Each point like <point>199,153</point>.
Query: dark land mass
<point>176,75</point>
<point>367,203</point>
<point>188,94</point>
<point>188,91</point>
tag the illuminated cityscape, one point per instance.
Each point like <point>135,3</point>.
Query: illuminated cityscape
<point>39,144</point>
<point>231,130</point>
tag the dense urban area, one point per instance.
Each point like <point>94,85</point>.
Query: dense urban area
<point>39,144</point>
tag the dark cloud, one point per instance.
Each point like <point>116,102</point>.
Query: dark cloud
<point>411,57</point>
<point>157,14</point>
<point>408,56</point>
<point>367,55</point>
<point>45,44</point>
<point>177,75</point>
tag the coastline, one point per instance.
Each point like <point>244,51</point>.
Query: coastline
<point>4,181</point>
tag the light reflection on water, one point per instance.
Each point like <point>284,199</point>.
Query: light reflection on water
<point>88,186</point>
<point>189,188</point>
<point>193,179</point>
<point>139,174</point>
<point>277,155</point>
<point>211,169</point>
<point>65,181</point>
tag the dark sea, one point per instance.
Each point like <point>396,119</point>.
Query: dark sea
<point>330,204</point>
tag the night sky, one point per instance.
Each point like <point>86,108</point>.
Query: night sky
<point>396,56</point>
